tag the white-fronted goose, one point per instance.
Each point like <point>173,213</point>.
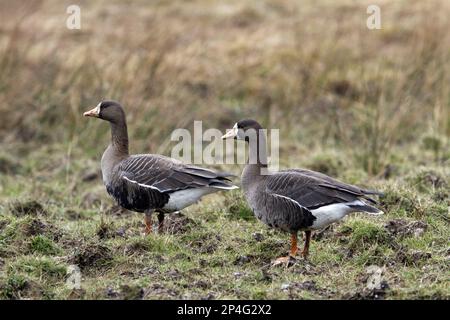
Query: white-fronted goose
<point>295,199</point>
<point>149,182</point>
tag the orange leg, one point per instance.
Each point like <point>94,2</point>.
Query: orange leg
<point>148,223</point>
<point>161,222</point>
<point>292,252</point>
<point>294,247</point>
<point>305,251</point>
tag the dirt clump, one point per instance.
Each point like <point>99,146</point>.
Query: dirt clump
<point>241,260</point>
<point>370,294</point>
<point>91,256</point>
<point>27,208</point>
<point>177,223</point>
<point>129,292</point>
<point>36,227</point>
<point>412,257</point>
<point>77,294</point>
<point>112,293</point>
<point>159,291</point>
<point>403,228</point>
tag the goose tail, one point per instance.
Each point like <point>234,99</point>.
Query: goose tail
<point>367,208</point>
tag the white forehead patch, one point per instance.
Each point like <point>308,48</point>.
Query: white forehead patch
<point>97,108</point>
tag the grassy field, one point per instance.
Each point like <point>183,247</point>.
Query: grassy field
<point>370,107</point>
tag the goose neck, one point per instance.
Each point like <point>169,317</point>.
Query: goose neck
<point>119,137</point>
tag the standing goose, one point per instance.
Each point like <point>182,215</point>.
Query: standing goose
<point>295,199</point>
<point>148,182</point>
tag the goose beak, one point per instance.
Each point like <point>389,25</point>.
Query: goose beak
<point>230,134</point>
<point>92,113</point>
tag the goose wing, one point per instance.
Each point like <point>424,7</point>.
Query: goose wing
<point>313,189</point>
<point>167,175</point>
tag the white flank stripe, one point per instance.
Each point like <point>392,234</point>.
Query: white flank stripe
<point>142,185</point>
<point>296,202</point>
<point>225,188</point>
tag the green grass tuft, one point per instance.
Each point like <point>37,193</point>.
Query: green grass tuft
<point>43,245</point>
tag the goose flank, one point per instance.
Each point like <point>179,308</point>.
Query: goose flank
<point>295,199</point>
<point>148,182</point>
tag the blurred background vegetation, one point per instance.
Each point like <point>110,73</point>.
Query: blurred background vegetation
<point>310,68</point>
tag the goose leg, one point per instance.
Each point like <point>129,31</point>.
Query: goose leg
<point>160,222</point>
<point>148,222</point>
<point>305,251</point>
<point>292,253</point>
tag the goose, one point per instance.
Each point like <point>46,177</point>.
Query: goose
<point>150,183</point>
<point>294,200</point>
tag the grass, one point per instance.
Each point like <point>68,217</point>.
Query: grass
<point>368,107</point>
<point>217,250</point>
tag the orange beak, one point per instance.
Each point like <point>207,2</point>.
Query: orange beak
<point>95,112</point>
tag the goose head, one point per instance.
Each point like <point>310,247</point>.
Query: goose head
<point>243,129</point>
<point>107,110</point>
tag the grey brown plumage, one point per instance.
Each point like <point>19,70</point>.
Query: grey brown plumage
<point>314,190</point>
<point>150,182</point>
<point>143,182</point>
<point>295,199</point>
